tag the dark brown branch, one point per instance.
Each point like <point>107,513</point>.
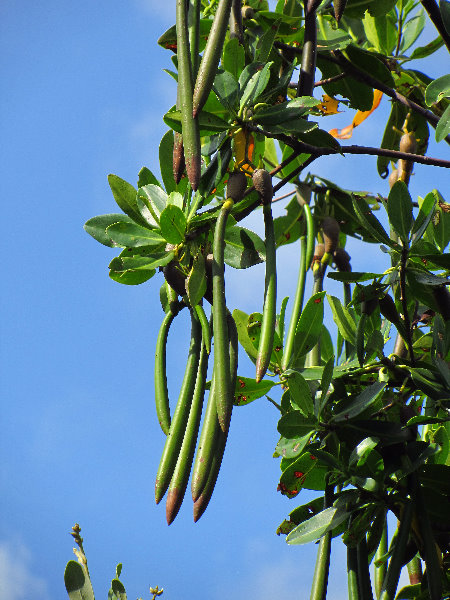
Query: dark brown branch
<point>236,27</point>
<point>303,148</point>
<point>357,73</point>
<point>434,13</point>
<point>309,53</point>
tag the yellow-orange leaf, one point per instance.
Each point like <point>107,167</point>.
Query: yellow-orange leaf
<point>244,146</point>
<point>347,132</point>
<point>328,106</point>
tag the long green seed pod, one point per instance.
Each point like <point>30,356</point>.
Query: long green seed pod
<point>381,569</point>
<point>206,332</point>
<point>180,477</point>
<point>206,446</point>
<point>189,125</point>
<point>178,163</point>
<point>177,428</point>
<point>201,504</point>
<point>364,583</point>
<point>161,392</point>
<point>211,56</point>
<point>270,298</point>
<point>390,582</point>
<point>210,434</point>
<point>223,393</point>
<point>307,248</point>
<point>194,33</point>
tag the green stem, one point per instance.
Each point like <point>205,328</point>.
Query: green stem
<point>320,579</point>
<point>380,571</point>
<point>352,574</point>
<point>364,583</point>
<point>307,251</point>
<point>194,33</point>
<point>415,570</point>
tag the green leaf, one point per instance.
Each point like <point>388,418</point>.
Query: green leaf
<point>390,136</point>
<point>437,89</point>
<point>300,393</point>
<point>255,86</point>
<point>151,201</point>
<point>132,236</point>
<point>426,212</point>
<point>444,7</point>
<point>146,177</point>
<point>424,51</point>
<point>248,390</point>
<point>149,259</point>
<point>227,89</point>
<point>166,161</point>
<point>343,319</point>
<point>196,281</point>
<point>241,320</point>
<point>369,63</point>
<point>125,196</point>
<point>304,472</point>
<point>317,526</point>
<point>294,424</point>
<point>362,401</point>
<point>97,226</point>
<point>359,94</point>
<point>309,326</point>
<point>443,126</point>
<point>265,43</point>
<point>441,230</point>
<point>208,122</point>
<point>352,276</point>
<point>280,113</point>
<point>77,582</point>
<point>291,448</point>
<point>117,591</point>
<point>233,59</point>
<point>370,222</point>
<point>173,224</point>
<point>381,32</point>
<point>400,210</point>
<point>216,169</point>
<point>243,248</point>
<point>411,31</point>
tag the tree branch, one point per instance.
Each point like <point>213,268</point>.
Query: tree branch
<point>435,15</point>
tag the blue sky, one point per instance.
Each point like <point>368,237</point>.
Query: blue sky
<point>83,95</point>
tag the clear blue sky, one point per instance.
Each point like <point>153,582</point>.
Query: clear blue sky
<point>83,93</point>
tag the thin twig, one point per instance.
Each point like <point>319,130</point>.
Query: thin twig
<point>294,85</point>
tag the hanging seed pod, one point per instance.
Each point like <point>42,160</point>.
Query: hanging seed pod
<point>331,232</point>
<point>393,177</point>
<point>177,429</point>
<point>368,306</point>
<point>319,251</point>
<point>161,392</point>
<point>236,186</point>
<point>262,182</point>
<point>178,157</point>
<point>224,393</point>
<point>175,278</point>
<point>211,56</point>
<point>189,125</point>
<point>247,12</point>
<point>342,260</point>
<point>339,7</point>
<point>405,167</point>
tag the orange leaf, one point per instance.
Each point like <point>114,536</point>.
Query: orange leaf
<point>347,132</point>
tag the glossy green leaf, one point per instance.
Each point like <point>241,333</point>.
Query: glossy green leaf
<point>132,236</point>
<point>424,51</point>
<point>151,201</point>
<point>369,63</point>
<point>381,32</point>
<point>146,177</point>
<point>243,248</point>
<point>437,89</point>
<point>173,223</point>
<point>97,226</point>
<point>291,447</point>
<point>168,39</point>
<point>300,393</point>
<point>390,135</point>
<point>248,390</point>
<point>426,212</point>
<point>145,260</point>
<point>370,222</point>
<point>125,196</point>
<point>216,170</point>
<point>362,401</point>
<point>315,527</point>
<point>294,424</point>
<point>241,320</point>
<point>304,472</point>
<point>441,229</point>
<point>132,277</point>
<point>227,89</point>
<point>309,326</point>
<point>443,126</point>
<point>352,276</point>
<point>411,31</point>
<point>300,514</point>
<point>117,591</point>
<point>77,582</point>
<point>233,59</point>
<point>400,210</point>
<point>166,161</point>
<point>359,94</point>
<point>343,319</point>
<point>196,280</point>
<point>444,7</point>
<point>208,122</point>
<point>255,86</point>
